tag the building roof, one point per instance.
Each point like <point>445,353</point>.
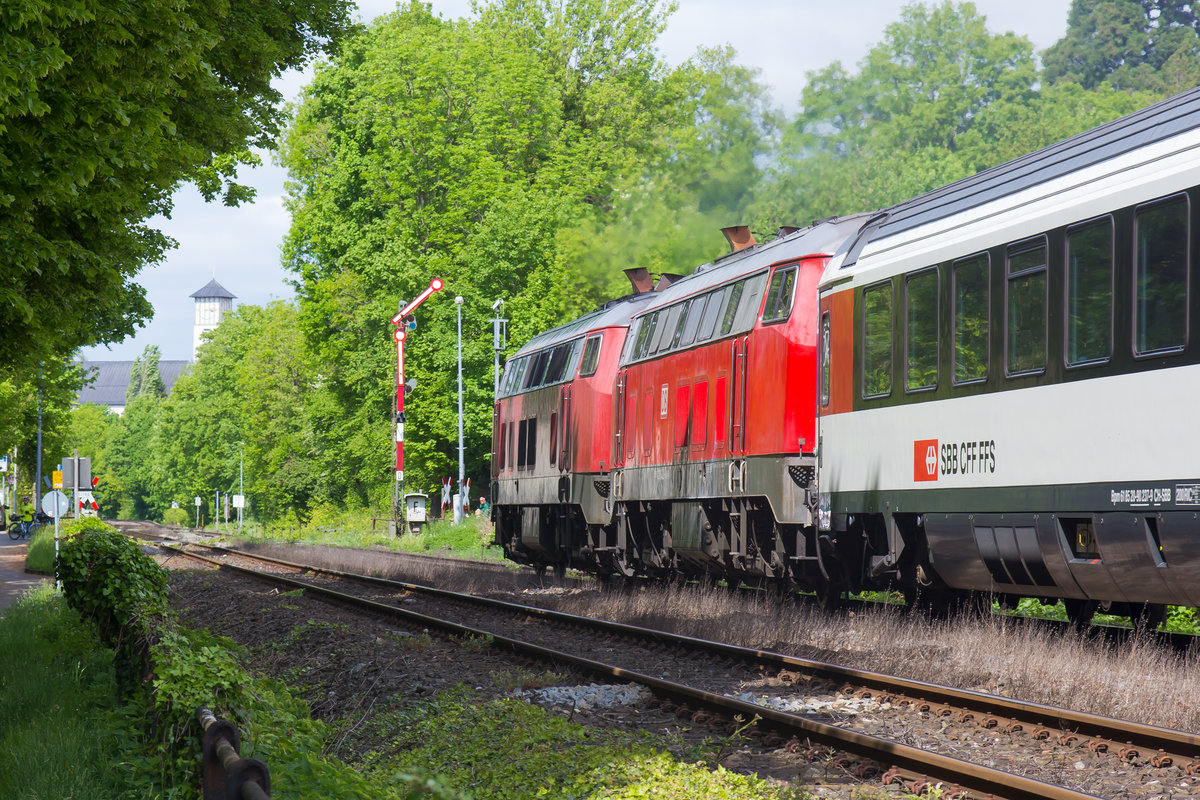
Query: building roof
<point>112,379</point>
<point>212,289</point>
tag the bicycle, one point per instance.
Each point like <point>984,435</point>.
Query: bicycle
<point>19,528</point>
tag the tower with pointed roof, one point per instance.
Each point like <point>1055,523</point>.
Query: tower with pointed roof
<point>212,302</point>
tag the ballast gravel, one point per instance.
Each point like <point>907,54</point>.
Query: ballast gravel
<point>591,696</point>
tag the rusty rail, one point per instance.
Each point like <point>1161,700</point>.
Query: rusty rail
<point>228,776</point>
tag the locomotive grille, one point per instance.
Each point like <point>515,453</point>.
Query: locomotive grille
<point>601,488</point>
<point>802,476</point>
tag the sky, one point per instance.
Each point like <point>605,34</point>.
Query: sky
<point>784,39</point>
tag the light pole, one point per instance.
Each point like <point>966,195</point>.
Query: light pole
<point>462,500</point>
<point>241,484</point>
<point>499,339</point>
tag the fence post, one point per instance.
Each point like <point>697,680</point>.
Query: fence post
<point>226,775</point>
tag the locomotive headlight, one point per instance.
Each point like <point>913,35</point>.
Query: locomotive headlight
<point>825,512</point>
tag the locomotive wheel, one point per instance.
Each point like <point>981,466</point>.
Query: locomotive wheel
<point>1147,616</point>
<point>1080,612</point>
<point>830,595</point>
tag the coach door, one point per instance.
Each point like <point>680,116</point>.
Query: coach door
<point>618,449</point>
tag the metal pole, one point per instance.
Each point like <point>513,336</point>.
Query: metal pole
<point>37,482</point>
<point>499,336</point>
<point>458,510</point>
<point>241,485</point>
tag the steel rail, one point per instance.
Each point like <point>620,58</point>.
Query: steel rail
<point>1148,737</point>
<point>974,777</point>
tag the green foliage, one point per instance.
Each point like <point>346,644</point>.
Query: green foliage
<point>39,556</point>
<point>512,749</point>
<point>108,580</point>
<point>56,702</point>
<point>104,108</point>
<point>1138,45</point>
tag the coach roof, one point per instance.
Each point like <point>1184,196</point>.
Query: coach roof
<point>1152,124</point>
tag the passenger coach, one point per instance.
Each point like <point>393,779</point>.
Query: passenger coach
<point>1008,379</point>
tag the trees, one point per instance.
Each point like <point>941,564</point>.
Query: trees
<point>473,150</point>
<point>104,108</point>
<point>1140,45</point>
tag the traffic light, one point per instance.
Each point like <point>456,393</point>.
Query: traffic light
<point>409,322</point>
<point>409,386</point>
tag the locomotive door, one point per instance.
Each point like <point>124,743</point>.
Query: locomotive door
<point>737,394</point>
<point>618,445</point>
<point>564,434</point>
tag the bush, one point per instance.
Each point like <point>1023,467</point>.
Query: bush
<point>175,516</point>
<point>39,557</point>
<point>107,579</point>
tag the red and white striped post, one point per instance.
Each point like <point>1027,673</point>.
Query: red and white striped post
<point>398,320</point>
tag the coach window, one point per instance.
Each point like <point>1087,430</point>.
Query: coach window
<point>779,295</point>
<point>921,329</point>
<point>1026,301</point>
<point>1089,292</point>
<point>877,340</point>
<point>825,352</point>
<point>591,355</point>
<point>695,314</point>
<point>972,293</point>
<point>1160,310</point>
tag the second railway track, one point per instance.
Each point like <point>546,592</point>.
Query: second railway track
<point>693,676</point>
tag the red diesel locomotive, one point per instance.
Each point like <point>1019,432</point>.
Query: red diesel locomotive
<point>683,440</point>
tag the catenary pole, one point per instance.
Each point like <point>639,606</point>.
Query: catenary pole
<point>462,499</point>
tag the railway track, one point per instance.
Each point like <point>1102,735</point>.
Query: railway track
<point>700,678</point>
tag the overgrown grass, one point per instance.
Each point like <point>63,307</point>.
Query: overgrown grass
<point>57,697</point>
<point>469,539</point>
<point>39,556</point>
<point>509,749</point>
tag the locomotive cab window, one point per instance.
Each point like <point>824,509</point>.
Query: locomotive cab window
<point>1161,283</point>
<point>921,330</point>
<point>972,317</point>
<point>779,295</point>
<point>1089,292</point>
<point>877,340</point>
<point>712,313</point>
<point>591,355</point>
<point>1025,340</point>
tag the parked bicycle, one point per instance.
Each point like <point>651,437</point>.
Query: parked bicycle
<point>25,529</point>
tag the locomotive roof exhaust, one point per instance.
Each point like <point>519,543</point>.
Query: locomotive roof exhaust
<point>640,278</point>
<point>665,280</point>
<point>739,237</point>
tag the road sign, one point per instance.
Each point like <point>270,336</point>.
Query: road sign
<point>57,480</point>
<point>239,501</point>
<point>55,504</point>
<point>197,501</point>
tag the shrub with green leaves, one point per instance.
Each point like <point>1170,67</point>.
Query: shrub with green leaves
<point>109,580</point>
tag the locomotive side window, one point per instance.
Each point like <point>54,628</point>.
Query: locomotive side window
<point>1026,302</point>
<point>685,309</point>
<point>646,335</point>
<point>1089,292</point>
<point>591,355</point>
<point>712,312</point>
<point>825,352</point>
<point>695,314</point>
<point>877,340</point>
<point>972,292</point>
<point>522,442</point>
<point>749,303</point>
<point>666,329</point>
<point>1161,284</point>
<point>731,307</point>
<point>921,330</point>
<point>779,295</point>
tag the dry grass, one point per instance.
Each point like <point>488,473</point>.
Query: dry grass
<point>1137,680</point>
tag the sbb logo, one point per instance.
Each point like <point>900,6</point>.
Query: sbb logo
<point>925,460</point>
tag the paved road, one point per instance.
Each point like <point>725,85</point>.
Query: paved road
<point>13,580</point>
